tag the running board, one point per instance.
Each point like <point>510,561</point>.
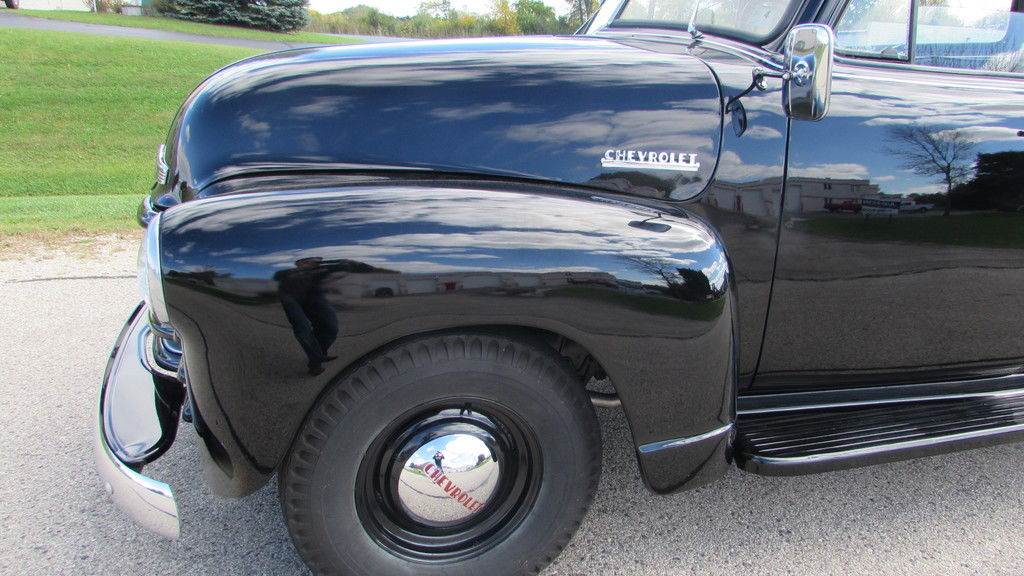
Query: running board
<point>791,442</point>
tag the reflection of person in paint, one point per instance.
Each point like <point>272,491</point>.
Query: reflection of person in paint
<point>313,320</point>
<point>438,457</point>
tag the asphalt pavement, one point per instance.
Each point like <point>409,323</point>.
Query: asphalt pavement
<point>10,19</point>
<point>63,306</point>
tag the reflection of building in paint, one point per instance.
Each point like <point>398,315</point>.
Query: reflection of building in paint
<point>376,284</point>
<point>244,287</point>
<point>753,198</point>
<point>645,184</point>
<point>803,195</point>
<point>816,194</point>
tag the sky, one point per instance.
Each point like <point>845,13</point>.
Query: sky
<point>409,7</point>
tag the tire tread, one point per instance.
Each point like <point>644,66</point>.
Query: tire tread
<point>533,359</point>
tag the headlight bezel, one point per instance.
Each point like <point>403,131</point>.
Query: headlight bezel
<point>149,275</point>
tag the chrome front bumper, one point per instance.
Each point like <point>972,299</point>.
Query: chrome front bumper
<point>138,417</point>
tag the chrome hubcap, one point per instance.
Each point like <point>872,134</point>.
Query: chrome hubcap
<point>449,478</point>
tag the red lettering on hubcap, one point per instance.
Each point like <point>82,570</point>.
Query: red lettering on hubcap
<point>451,489</point>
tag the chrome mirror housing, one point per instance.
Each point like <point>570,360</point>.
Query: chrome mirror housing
<point>808,55</point>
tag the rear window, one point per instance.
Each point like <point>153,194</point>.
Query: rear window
<point>971,34</point>
<point>965,34</point>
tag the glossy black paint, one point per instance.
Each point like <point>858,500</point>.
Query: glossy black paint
<point>537,108</point>
<point>744,200</point>
<point>919,297</point>
<point>334,201</point>
<point>837,397</point>
<point>273,294</point>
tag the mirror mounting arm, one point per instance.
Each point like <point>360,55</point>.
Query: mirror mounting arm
<point>758,81</point>
<point>761,73</point>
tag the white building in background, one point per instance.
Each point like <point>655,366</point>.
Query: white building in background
<point>82,5</point>
<point>803,195</point>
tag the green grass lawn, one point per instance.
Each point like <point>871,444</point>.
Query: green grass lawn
<point>80,119</point>
<point>985,229</point>
<point>173,25</point>
<point>102,213</point>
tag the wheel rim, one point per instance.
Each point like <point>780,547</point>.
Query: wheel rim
<point>440,509</point>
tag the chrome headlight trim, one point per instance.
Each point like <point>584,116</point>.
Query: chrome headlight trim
<point>161,169</point>
<point>150,278</point>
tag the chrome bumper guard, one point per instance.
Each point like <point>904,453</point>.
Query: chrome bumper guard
<point>136,424</point>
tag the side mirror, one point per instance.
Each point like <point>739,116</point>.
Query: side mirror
<point>808,55</point>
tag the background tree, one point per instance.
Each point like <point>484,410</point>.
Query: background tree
<point>437,19</point>
<point>375,20</point>
<point>946,154</point>
<point>580,11</point>
<point>437,8</point>
<point>535,17</point>
<point>279,15</point>
<point>505,21</point>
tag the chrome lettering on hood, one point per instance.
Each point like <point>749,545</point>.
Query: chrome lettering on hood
<point>646,160</point>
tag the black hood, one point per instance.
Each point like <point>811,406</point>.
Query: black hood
<point>580,111</point>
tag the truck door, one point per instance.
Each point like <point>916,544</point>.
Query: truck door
<point>927,112</point>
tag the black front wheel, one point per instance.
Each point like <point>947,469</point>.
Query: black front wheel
<point>454,454</point>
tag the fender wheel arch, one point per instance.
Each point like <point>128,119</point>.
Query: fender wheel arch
<point>526,360</point>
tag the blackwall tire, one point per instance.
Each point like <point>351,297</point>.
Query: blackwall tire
<point>522,397</point>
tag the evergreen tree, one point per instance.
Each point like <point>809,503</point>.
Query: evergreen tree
<point>280,15</point>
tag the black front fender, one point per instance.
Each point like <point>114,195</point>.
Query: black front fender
<point>267,288</point>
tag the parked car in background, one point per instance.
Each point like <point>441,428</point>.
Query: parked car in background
<point>845,206</point>
<point>390,274</point>
<point>913,207</point>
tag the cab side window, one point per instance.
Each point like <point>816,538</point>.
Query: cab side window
<point>985,35</point>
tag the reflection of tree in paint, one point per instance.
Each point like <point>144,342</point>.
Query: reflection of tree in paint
<point>944,154</point>
<point>682,283</point>
<point>996,184</point>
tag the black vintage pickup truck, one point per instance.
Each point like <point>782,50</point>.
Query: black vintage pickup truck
<point>400,277</point>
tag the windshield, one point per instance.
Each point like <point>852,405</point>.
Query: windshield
<point>751,20</point>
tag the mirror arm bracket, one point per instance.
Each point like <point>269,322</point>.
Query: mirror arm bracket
<point>758,81</point>
<point>761,73</point>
